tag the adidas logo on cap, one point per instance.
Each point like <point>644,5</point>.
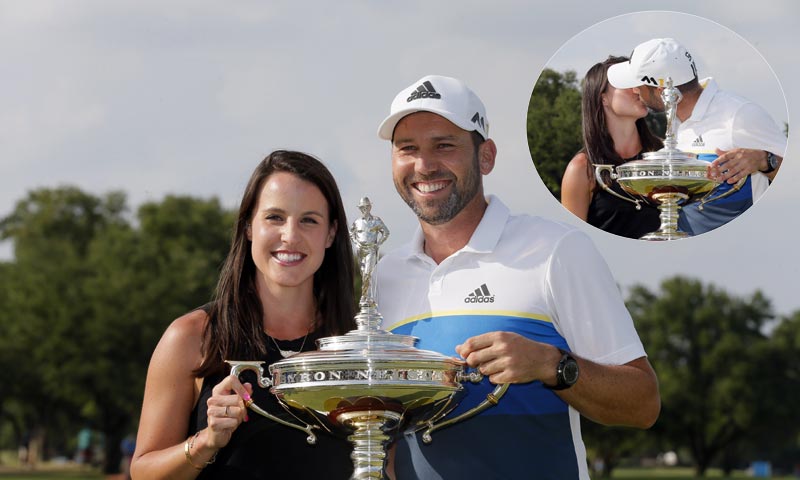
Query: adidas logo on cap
<point>424,90</point>
<point>480,295</point>
<point>451,99</point>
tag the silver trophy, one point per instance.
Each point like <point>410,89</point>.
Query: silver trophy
<point>369,384</point>
<point>669,176</point>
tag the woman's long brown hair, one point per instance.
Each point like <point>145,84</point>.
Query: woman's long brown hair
<point>597,142</point>
<point>235,327</point>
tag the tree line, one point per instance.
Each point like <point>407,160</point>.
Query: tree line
<point>92,286</point>
<point>85,300</point>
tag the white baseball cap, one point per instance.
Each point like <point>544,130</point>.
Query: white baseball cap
<point>651,63</point>
<point>445,96</point>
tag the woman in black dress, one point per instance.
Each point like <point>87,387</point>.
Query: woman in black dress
<point>614,132</point>
<point>287,280</point>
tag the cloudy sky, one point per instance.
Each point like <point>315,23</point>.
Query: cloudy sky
<point>155,97</point>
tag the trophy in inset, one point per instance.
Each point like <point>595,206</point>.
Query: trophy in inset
<point>369,384</point>
<point>668,176</point>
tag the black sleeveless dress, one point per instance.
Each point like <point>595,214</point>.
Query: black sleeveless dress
<point>262,449</point>
<point>620,217</point>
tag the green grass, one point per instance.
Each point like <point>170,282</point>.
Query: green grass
<point>50,473</point>
<point>10,469</point>
<point>73,472</point>
<point>678,473</point>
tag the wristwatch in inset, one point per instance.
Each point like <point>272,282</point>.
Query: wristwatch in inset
<point>566,373</point>
<point>772,163</point>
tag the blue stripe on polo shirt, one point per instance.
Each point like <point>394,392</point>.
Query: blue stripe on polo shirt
<point>716,213</point>
<point>501,446</point>
<point>442,331</point>
<point>745,192</point>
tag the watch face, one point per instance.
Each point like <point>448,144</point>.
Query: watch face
<point>571,371</point>
<point>772,161</point>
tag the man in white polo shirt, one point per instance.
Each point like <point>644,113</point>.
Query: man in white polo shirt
<point>749,145</point>
<point>525,300</point>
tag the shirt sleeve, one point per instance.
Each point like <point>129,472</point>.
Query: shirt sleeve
<point>588,305</point>
<point>754,128</point>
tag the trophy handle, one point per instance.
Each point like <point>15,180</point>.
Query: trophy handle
<point>598,170</point>
<point>490,401</point>
<point>735,188</point>
<point>239,367</point>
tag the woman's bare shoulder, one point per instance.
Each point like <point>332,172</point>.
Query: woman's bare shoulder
<point>579,162</point>
<point>578,171</point>
<point>184,336</point>
<point>191,323</point>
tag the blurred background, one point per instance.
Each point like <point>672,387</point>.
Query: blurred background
<point>129,129</point>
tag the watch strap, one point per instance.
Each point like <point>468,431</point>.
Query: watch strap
<point>561,383</point>
<point>772,163</point>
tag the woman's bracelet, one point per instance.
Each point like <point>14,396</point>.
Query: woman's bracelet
<point>187,447</point>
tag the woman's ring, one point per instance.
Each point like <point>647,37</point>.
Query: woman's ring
<point>226,410</point>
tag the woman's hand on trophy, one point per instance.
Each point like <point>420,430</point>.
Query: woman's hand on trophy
<point>507,357</point>
<point>227,409</point>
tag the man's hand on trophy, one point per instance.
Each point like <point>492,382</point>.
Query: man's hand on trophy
<point>227,409</point>
<point>507,357</point>
<point>733,165</point>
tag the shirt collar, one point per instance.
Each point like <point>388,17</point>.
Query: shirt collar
<point>485,237</point>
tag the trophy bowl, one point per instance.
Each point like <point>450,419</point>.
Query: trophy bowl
<point>655,178</point>
<point>371,386</point>
<point>669,178</point>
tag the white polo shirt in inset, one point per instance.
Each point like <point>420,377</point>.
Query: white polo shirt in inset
<point>726,121</point>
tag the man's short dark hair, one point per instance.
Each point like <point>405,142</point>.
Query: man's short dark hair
<point>690,86</point>
<point>477,140</point>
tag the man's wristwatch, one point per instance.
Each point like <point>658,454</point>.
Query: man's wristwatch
<point>772,163</point>
<point>566,372</point>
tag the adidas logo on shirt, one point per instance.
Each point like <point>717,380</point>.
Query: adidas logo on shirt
<point>480,295</point>
<point>698,142</point>
<point>425,90</point>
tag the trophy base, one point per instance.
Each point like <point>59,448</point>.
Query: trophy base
<point>661,236</point>
<point>669,206</point>
<point>373,431</point>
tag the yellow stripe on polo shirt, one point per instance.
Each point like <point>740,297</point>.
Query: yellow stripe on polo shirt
<point>452,313</point>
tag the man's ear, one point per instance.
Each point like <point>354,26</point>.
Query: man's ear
<point>487,152</point>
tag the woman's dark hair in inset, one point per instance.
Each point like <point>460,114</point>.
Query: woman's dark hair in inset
<point>235,328</point>
<point>597,142</point>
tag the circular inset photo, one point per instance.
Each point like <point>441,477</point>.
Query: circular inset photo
<point>657,125</point>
